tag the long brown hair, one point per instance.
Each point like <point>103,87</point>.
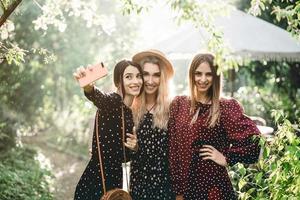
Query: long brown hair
<point>214,91</point>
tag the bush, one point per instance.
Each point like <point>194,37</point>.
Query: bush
<point>22,177</point>
<point>7,137</point>
<point>7,131</point>
<point>277,174</point>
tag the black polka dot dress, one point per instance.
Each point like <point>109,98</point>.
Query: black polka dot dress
<point>109,105</point>
<point>150,178</point>
<point>199,179</point>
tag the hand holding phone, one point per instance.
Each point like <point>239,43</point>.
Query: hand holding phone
<point>90,74</point>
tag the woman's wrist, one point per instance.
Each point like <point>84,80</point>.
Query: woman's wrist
<point>88,88</point>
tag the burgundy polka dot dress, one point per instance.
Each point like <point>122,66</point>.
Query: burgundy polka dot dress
<point>194,177</point>
<point>150,174</point>
<point>109,105</point>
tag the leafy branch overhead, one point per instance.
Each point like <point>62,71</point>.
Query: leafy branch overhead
<point>285,10</point>
<point>8,10</point>
<point>201,14</point>
<point>53,13</point>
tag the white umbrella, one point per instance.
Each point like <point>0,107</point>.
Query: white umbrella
<point>247,36</point>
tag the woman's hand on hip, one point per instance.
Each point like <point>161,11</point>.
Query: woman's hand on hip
<point>131,140</point>
<point>208,152</point>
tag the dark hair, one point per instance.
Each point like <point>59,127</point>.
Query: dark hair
<point>119,72</point>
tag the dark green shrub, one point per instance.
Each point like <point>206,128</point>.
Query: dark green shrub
<point>22,177</point>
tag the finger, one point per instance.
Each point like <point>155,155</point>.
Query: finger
<point>80,74</point>
<point>207,158</point>
<point>130,135</point>
<point>209,146</point>
<point>134,131</point>
<point>129,141</point>
<point>75,75</point>
<point>205,154</point>
<point>82,71</point>
<point>128,146</point>
<point>206,150</point>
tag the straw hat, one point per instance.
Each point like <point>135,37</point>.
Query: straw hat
<point>163,61</point>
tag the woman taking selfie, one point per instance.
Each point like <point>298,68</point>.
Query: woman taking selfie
<point>207,133</point>
<point>112,109</point>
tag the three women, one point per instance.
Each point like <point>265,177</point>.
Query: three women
<point>204,134</point>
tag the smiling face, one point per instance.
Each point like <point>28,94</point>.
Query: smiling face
<point>203,78</point>
<point>151,73</point>
<point>132,81</point>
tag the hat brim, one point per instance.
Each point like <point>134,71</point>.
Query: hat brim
<point>164,62</point>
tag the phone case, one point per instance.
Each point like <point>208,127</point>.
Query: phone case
<point>93,73</point>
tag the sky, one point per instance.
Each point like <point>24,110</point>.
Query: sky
<point>156,25</point>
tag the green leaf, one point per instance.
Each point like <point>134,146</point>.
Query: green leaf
<point>258,177</point>
<point>242,183</point>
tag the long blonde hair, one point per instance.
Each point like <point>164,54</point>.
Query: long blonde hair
<point>214,91</point>
<point>161,109</point>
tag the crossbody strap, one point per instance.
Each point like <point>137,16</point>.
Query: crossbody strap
<point>124,150</point>
<point>99,154</point>
<point>99,149</point>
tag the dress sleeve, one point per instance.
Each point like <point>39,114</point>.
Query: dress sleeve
<point>99,98</point>
<point>174,161</point>
<point>241,131</point>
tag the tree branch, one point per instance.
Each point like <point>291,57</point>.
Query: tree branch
<point>9,11</point>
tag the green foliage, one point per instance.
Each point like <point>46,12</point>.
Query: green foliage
<point>15,54</point>
<point>287,12</point>
<point>22,177</point>
<point>5,3</point>
<point>8,131</point>
<point>271,85</point>
<point>277,174</point>
<point>7,137</point>
<point>130,6</point>
<point>292,14</point>
<point>202,14</point>
<point>37,89</point>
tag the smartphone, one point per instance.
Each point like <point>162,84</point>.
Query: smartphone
<point>92,73</point>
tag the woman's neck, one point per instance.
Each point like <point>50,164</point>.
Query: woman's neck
<point>202,98</point>
<point>128,99</point>
<point>150,99</point>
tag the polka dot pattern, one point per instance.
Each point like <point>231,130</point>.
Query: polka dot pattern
<point>150,177</point>
<point>194,177</point>
<point>110,123</point>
